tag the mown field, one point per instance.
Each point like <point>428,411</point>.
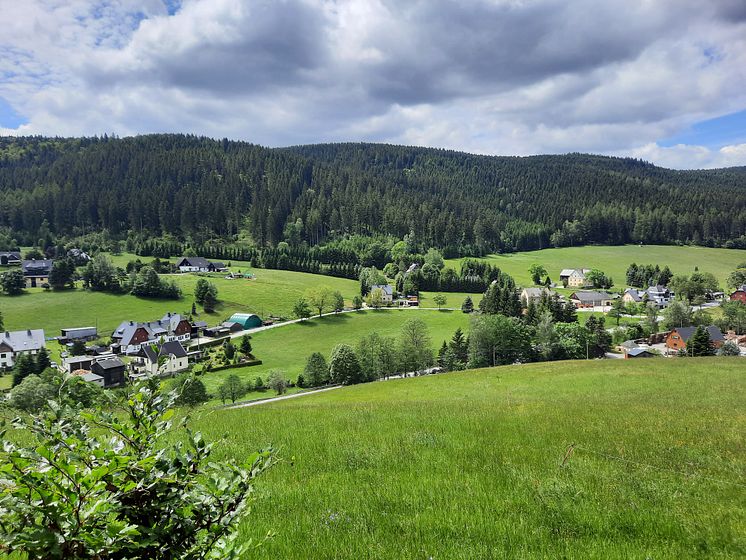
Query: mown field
<point>470,465</point>
<point>288,347</point>
<point>614,260</point>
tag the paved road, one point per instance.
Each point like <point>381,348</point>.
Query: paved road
<point>282,398</point>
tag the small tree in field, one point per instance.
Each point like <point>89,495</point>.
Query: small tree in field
<point>440,300</point>
<point>277,381</point>
<point>107,485</point>
<point>301,309</point>
<point>468,305</point>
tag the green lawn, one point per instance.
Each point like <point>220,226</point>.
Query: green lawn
<point>469,465</point>
<point>615,260</point>
<point>288,347</point>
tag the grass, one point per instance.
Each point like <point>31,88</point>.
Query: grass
<point>469,465</point>
<point>288,347</point>
<point>615,260</point>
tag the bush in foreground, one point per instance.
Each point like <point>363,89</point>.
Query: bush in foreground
<point>104,485</point>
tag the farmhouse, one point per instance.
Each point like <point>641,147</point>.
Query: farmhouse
<point>15,343</point>
<point>167,359</point>
<point>10,258</point>
<point>588,298</point>
<point>387,294</point>
<point>574,277</point>
<point>534,294</point>
<point>111,369</point>
<point>677,338</point>
<point>199,264</point>
<point>739,294</point>
<point>36,272</point>
<point>130,336</point>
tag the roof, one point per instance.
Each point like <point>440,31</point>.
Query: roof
<point>590,295</point>
<point>198,262</point>
<point>11,254</point>
<point>36,267</point>
<point>385,288</point>
<point>200,324</point>
<point>85,331</point>
<point>629,344</point>
<point>534,292</point>
<point>638,351</point>
<point>23,341</point>
<point>169,322</point>
<point>716,335</point>
<point>633,293</point>
<point>173,348</point>
<point>91,377</point>
<point>218,264</point>
<point>109,363</point>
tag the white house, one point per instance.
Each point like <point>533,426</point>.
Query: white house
<point>199,264</point>
<point>15,343</point>
<point>174,359</point>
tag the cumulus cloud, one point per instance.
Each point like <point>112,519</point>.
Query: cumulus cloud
<point>489,76</point>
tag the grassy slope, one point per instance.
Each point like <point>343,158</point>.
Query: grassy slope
<point>288,348</point>
<point>615,260</point>
<point>467,465</point>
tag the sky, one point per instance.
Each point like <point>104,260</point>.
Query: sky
<point>661,80</point>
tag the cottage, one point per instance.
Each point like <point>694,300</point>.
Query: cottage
<point>169,358</point>
<point>633,295</point>
<point>534,294</point>
<point>10,258</point>
<point>36,272</point>
<point>199,264</point>
<point>387,293</point>
<point>15,343</point>
<point>584,299</point>
<point>739,294</point>
<point>130,336</point>
<point>677,338</point>
<point>574,277</point>
<point>112,370</point>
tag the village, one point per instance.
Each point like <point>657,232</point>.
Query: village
<point>175,342</point>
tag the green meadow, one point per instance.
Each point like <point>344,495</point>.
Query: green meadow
<point>614,260</point>
<point>473,465</point>
<point>288,347</point>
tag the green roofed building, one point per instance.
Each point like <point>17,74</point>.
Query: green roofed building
<point>246,320</point>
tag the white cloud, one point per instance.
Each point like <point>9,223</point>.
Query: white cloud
<point>490,76</point>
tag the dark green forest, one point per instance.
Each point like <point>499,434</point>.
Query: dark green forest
<point>199,189</point>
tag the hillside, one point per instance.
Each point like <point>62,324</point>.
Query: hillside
<point>197,188</point>
<point>470,465</point>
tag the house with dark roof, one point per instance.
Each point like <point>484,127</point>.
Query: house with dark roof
<point>677,338</point>
<point>36,272</point>
<point>632,353</point>
<point>15,343</point>
<point>223,329</point>
<point>165,359</point>
<point>130,335</point>
<point>534,294</point>
<point>112,370</point>
<point>591,298</point>
<point>10,258</point>
<point>199,264</point>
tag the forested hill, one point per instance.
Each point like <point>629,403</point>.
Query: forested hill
<point>190,186</point>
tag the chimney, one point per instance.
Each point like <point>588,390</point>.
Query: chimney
<point>28,332</point>
<point>131,323</point>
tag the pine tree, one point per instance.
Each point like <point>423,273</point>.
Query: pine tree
<point>699,343</point>
<point>468,305</point>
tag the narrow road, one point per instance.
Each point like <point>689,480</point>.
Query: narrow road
<point>282,398</point>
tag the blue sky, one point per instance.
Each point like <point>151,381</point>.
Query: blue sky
<point>664,81</point>
<point>712,133</point>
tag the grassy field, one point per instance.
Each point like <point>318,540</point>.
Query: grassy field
<point>615,260</point>
<point>469,465</point>
<point>288,347</point>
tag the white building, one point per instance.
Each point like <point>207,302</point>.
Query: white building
<point>15,343</point>
<point>172,356</point>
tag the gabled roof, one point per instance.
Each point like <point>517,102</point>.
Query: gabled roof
<point>126,330</point>
<point>637,351</point>
<point>218,264</point>
<point>34,267</point>
<point>173,348</point>
<point>633,293</point>
<point>23,341</point>
<point>14,255</point>
<point>385,288</point>
<point>91,377</point>
<point>534,292</point>
<point>716,335</point>
<point>198,262</point>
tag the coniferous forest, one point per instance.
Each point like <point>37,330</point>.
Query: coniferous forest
<point>198,189</point>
